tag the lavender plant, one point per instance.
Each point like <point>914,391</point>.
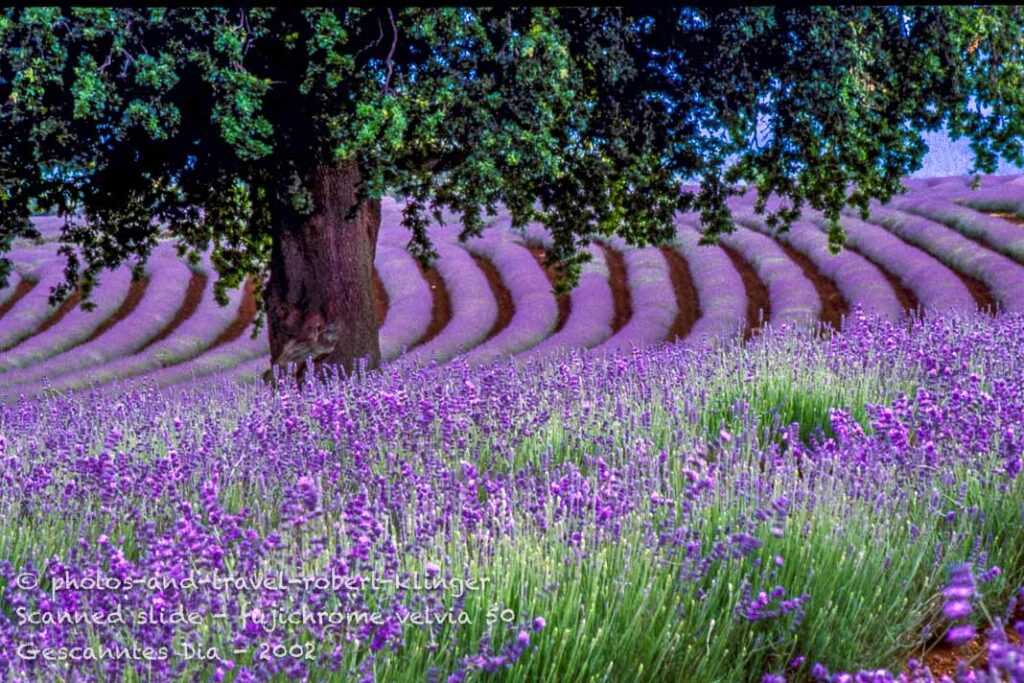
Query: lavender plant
<point>75,327</point>
<point>860,282</point>
<point>163,298</point>
<point>536,311</point>
<point>653,300</point>
<point>625,527</point>
<point>1003,276</point>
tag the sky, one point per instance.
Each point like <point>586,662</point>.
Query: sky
<point>946,157</point>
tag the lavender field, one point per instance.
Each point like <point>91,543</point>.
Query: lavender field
<point>754,461</point>
<point>942,247</point>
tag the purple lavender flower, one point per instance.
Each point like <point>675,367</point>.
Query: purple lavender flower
<point>961,635</point>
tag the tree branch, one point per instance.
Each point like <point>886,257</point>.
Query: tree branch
<point>391,53</point>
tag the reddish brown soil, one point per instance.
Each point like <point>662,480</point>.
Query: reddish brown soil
<point>943,658</point>
<point>1011,217</point>
<point>686,294</point>
<point>502,297</point>
<point>135,292</point>
<point>621,299</point>
<point>380,299</point>
<point>193,295</point>
<point>903,293</point>
<point>758,303</point>
<point>62,310</point>
<point>245,316</point>
<point>23,288</point>
<point>552,273</point>
<point>980,291</point>
<point>441,305</point>
<point>833,306</point>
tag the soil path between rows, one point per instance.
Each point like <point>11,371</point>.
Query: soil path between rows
<point>686,294</point>
<point>552,273</point>
<point>380,299</point>
<point>23,288</point>
<point>905,295</point>
<point>1006,216</point>
<point>193,297</point>
<point>833,306</point>
<point>758,302</point>
<point>502,296</point>
<point>136,290</point>
<point>980,292</point>
<point>440,307</point>
<point>63,309</point>
<point>245,316</point>
<point>622,301</point>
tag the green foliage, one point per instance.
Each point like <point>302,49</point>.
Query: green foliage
<point>211,121</point>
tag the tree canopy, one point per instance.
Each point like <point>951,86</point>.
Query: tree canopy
<point>209,122</point>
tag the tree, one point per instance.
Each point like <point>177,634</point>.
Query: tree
<point>271,134</point>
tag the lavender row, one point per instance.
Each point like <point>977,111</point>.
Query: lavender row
<point>33,309</point>
<point>591,310</point>
<point>76,326</point>
<point>859,281</point>
<point>217,360</point>
<point>652,295</point>
<point>248,370</point>
<point>409,301</point>
<point>474,310</point>
<point>191,338</point>
<point>14,280</point>
<point>165,294</point>
<point>792,297</point>
<point>1005,198</point>
<point>536,311</point>
<point>1004,277</point>
<point>720,293</point>
<point>999,234</point>
<point>935,286</point>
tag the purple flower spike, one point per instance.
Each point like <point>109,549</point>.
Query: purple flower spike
<point>960,635</point>
<point>957,609</point>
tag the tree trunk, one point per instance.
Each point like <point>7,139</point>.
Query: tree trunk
<point>319,297</point>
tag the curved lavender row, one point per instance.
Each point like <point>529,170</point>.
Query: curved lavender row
<point>535,232</point>
<point>1008,198</point>
<point>49,227</point>
<point>243,372</point>
<point>591,311</point>
<point>221,359</point>
<point>936,287</point>
<point>14,280</point>
<point>75,327</point>
<point>190,339</point>
<point>1003,276</point>
<point>859,281</point>
<point>33,309</point>
<point>653,298</point>
<point>999,234</point>
<point>409,301</point>
<point>720,290</point>
<point>793,298</point>
<point>536,311</point>
<point>165,294</point>
<point>26,263</point>
<point>473,307</point>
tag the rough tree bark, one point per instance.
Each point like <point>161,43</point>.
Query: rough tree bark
<point>319,296</point>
